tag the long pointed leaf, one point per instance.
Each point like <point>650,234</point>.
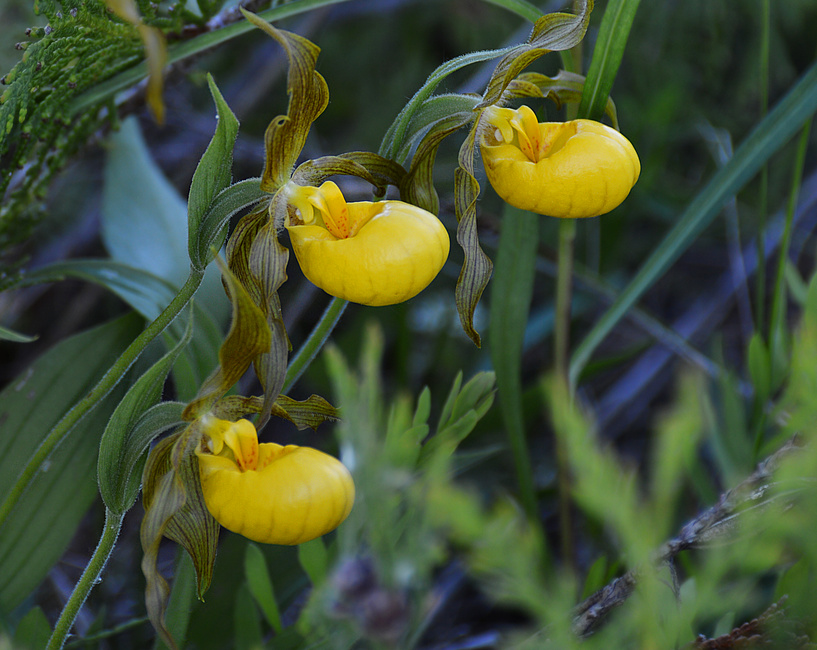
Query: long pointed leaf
<point>612,38</point>
<point>42,523</point>
<point>775,130</point>
<point>148,294</point>
<point>120,450</point>
<point>511,294</point>
<point>212,175</point>
<point>15,337</point>
<point>227,203</point>
<point>144,218</point>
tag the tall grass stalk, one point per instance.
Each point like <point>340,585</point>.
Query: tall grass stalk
<point>763,190</point>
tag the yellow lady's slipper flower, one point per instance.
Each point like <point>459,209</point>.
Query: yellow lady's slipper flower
<point>269,493</point>
<point>570,169</point>
<point>371,253</point>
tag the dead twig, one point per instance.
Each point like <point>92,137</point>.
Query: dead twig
<point>714,523</point>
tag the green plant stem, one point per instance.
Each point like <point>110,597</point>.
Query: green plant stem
<point>313,344</point>
<point>561,353</point>
<point>777,322</point>
<point>102,388</point>
<point>778,315</point>
<point>89,578</point>
<point>564,287</point>
<point>763,190</point>
<point>511,294</point>
<point>561,344</point>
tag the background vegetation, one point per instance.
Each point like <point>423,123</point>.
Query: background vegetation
<point>708,366</point>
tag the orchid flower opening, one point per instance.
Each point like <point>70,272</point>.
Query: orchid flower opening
<point>580,168</point>
<point>372,253</point>
<point>267,492</point>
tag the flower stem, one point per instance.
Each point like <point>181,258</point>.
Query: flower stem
<point>317,337</point>
<point>102,388</point>
<point>561,353</point>
<point>564,286</point>
<point>110,533</point>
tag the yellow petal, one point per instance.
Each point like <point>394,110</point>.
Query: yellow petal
<point>393,251</point>
<point>295,494</point>
<point>582,168</point>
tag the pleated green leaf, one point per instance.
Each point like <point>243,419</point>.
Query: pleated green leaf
<point>212,175</point>
<point>145,292</point>
<point>396,136</point>
<point>144,218</point>
<point>774,131</point>
<point>225,205</point>
<point>148,295</point>
<point>44,520</point>
<point>124,441</point>
<point>432,111</point>
<point>418,185</point>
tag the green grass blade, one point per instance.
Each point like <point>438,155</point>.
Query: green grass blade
<point>37,532</point>
<point>763,193</point>
<point>767,137</point>
<point>260,585</point>
<point>778,318</point>
<point>612,38</point>
<point>511,291</point>
<point>519,7</point>
<point>7,334</point>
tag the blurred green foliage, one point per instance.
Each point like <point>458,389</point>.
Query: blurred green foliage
<point>438,549</point>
